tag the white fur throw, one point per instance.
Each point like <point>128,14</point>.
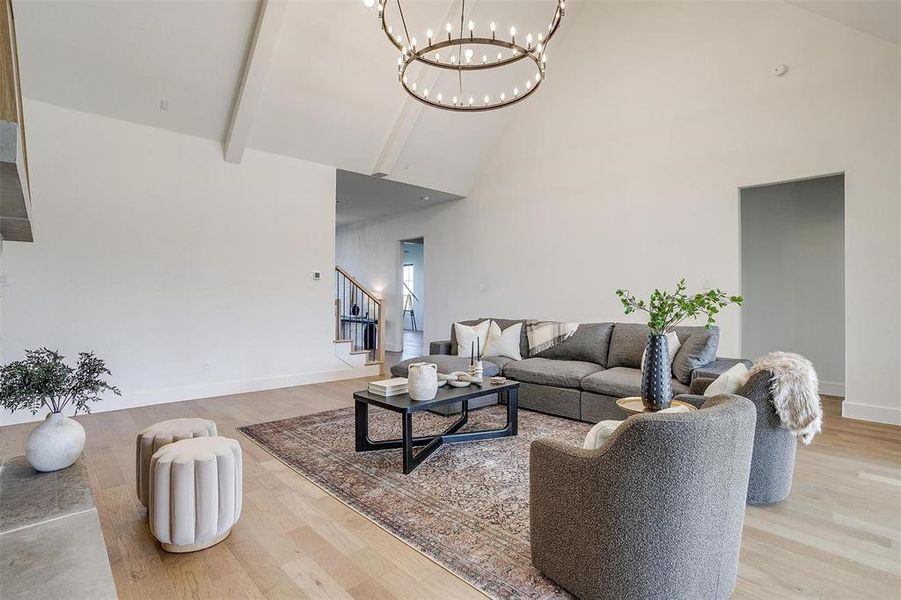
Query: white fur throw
<point>795,392</point>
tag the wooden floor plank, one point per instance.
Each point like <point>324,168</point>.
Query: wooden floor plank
<point>837,536</point>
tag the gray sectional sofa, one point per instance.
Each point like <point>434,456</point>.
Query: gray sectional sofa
<point>583,377</point>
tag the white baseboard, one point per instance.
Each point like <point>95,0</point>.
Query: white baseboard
<point>869,412</point>
<point>832,388</point>
<point>194,392</point>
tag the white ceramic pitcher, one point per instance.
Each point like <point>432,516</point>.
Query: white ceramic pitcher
<point>422,381</point>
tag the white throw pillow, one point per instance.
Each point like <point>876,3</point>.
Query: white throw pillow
<point>503,343</point>
<point>598,434</point>
<point>672,346</point>
<point>729,382</point>
<point>467,335</point>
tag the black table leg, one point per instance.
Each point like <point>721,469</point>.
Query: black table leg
<point>408,442</point>
<point>512,396</point>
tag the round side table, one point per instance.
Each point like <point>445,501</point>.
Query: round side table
<point>635,405</point>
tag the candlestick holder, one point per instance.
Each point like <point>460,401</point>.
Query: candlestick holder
<point>476,371</point>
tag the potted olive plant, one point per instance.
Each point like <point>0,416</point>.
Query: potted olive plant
<point>666,310</point>
<point>44,380</point>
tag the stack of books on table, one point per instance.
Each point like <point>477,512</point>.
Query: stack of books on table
<point>389,387</point>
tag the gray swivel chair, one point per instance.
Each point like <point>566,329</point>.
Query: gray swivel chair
<point>656,512</point>
<point>773,461</point>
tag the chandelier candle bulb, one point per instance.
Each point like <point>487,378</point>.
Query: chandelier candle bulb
<point>425,56</point>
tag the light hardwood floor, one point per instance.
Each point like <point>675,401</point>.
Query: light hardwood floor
<point>837,536</point>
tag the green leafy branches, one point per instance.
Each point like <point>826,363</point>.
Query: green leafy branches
<point>44,379</point>
<point>667,309</point>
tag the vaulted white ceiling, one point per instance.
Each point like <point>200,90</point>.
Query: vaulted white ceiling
<point>119,59</point>
<point>330,95</point>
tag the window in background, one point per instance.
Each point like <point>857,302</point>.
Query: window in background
<point>408,286</point>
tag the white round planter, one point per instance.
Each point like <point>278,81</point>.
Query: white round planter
<point>54,444</point>
<point>422,381</point>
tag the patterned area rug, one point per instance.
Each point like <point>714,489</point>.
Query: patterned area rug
<point>466,507</point>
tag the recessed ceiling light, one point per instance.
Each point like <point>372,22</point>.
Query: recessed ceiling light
<point>425,198</point>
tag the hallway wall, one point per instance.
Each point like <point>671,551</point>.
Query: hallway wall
<point>793,274</point>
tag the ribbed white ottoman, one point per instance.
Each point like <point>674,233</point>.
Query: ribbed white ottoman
<point>158,435</point>
<point>195,492</point>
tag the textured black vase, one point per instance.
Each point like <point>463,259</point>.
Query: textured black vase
<point>656,381</point>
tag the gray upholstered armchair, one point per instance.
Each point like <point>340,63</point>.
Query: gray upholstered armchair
<point>655,512</point>
<point>773,462</point>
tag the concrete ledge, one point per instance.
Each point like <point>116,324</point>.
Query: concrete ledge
<point>52,543</point>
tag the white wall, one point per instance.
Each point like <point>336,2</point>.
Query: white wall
<point>154,252</point>
<point>624,171</point>
<point>793,274</point>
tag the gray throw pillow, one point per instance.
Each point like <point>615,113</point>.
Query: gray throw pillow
<point>698,350</point>
<point>588,343</point>
<point>627,344</point>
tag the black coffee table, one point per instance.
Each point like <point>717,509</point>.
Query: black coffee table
<point>507,392</point>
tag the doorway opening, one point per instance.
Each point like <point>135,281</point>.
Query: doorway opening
<point>412,279</point>
<point>793,274</point>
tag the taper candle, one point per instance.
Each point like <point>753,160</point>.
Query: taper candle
<point>472,346</point>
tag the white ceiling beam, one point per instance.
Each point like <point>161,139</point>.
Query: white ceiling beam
<point>256,67</point>
<point>412,109</point>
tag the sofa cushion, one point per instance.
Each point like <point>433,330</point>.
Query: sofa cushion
<point>500,361</point>
<point>471,339</point>
<point>546,371</point>
<point>621,382</point>
<point>589,343</point>
<point>627,344</point>
<point>697,350</point>
<point>504,342</point>
<point>504,324</point>
<point>446,364</point>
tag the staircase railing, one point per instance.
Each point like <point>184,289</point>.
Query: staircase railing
<point>359,317</point>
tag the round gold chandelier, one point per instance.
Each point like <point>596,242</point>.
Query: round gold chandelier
<point>454,49</point>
